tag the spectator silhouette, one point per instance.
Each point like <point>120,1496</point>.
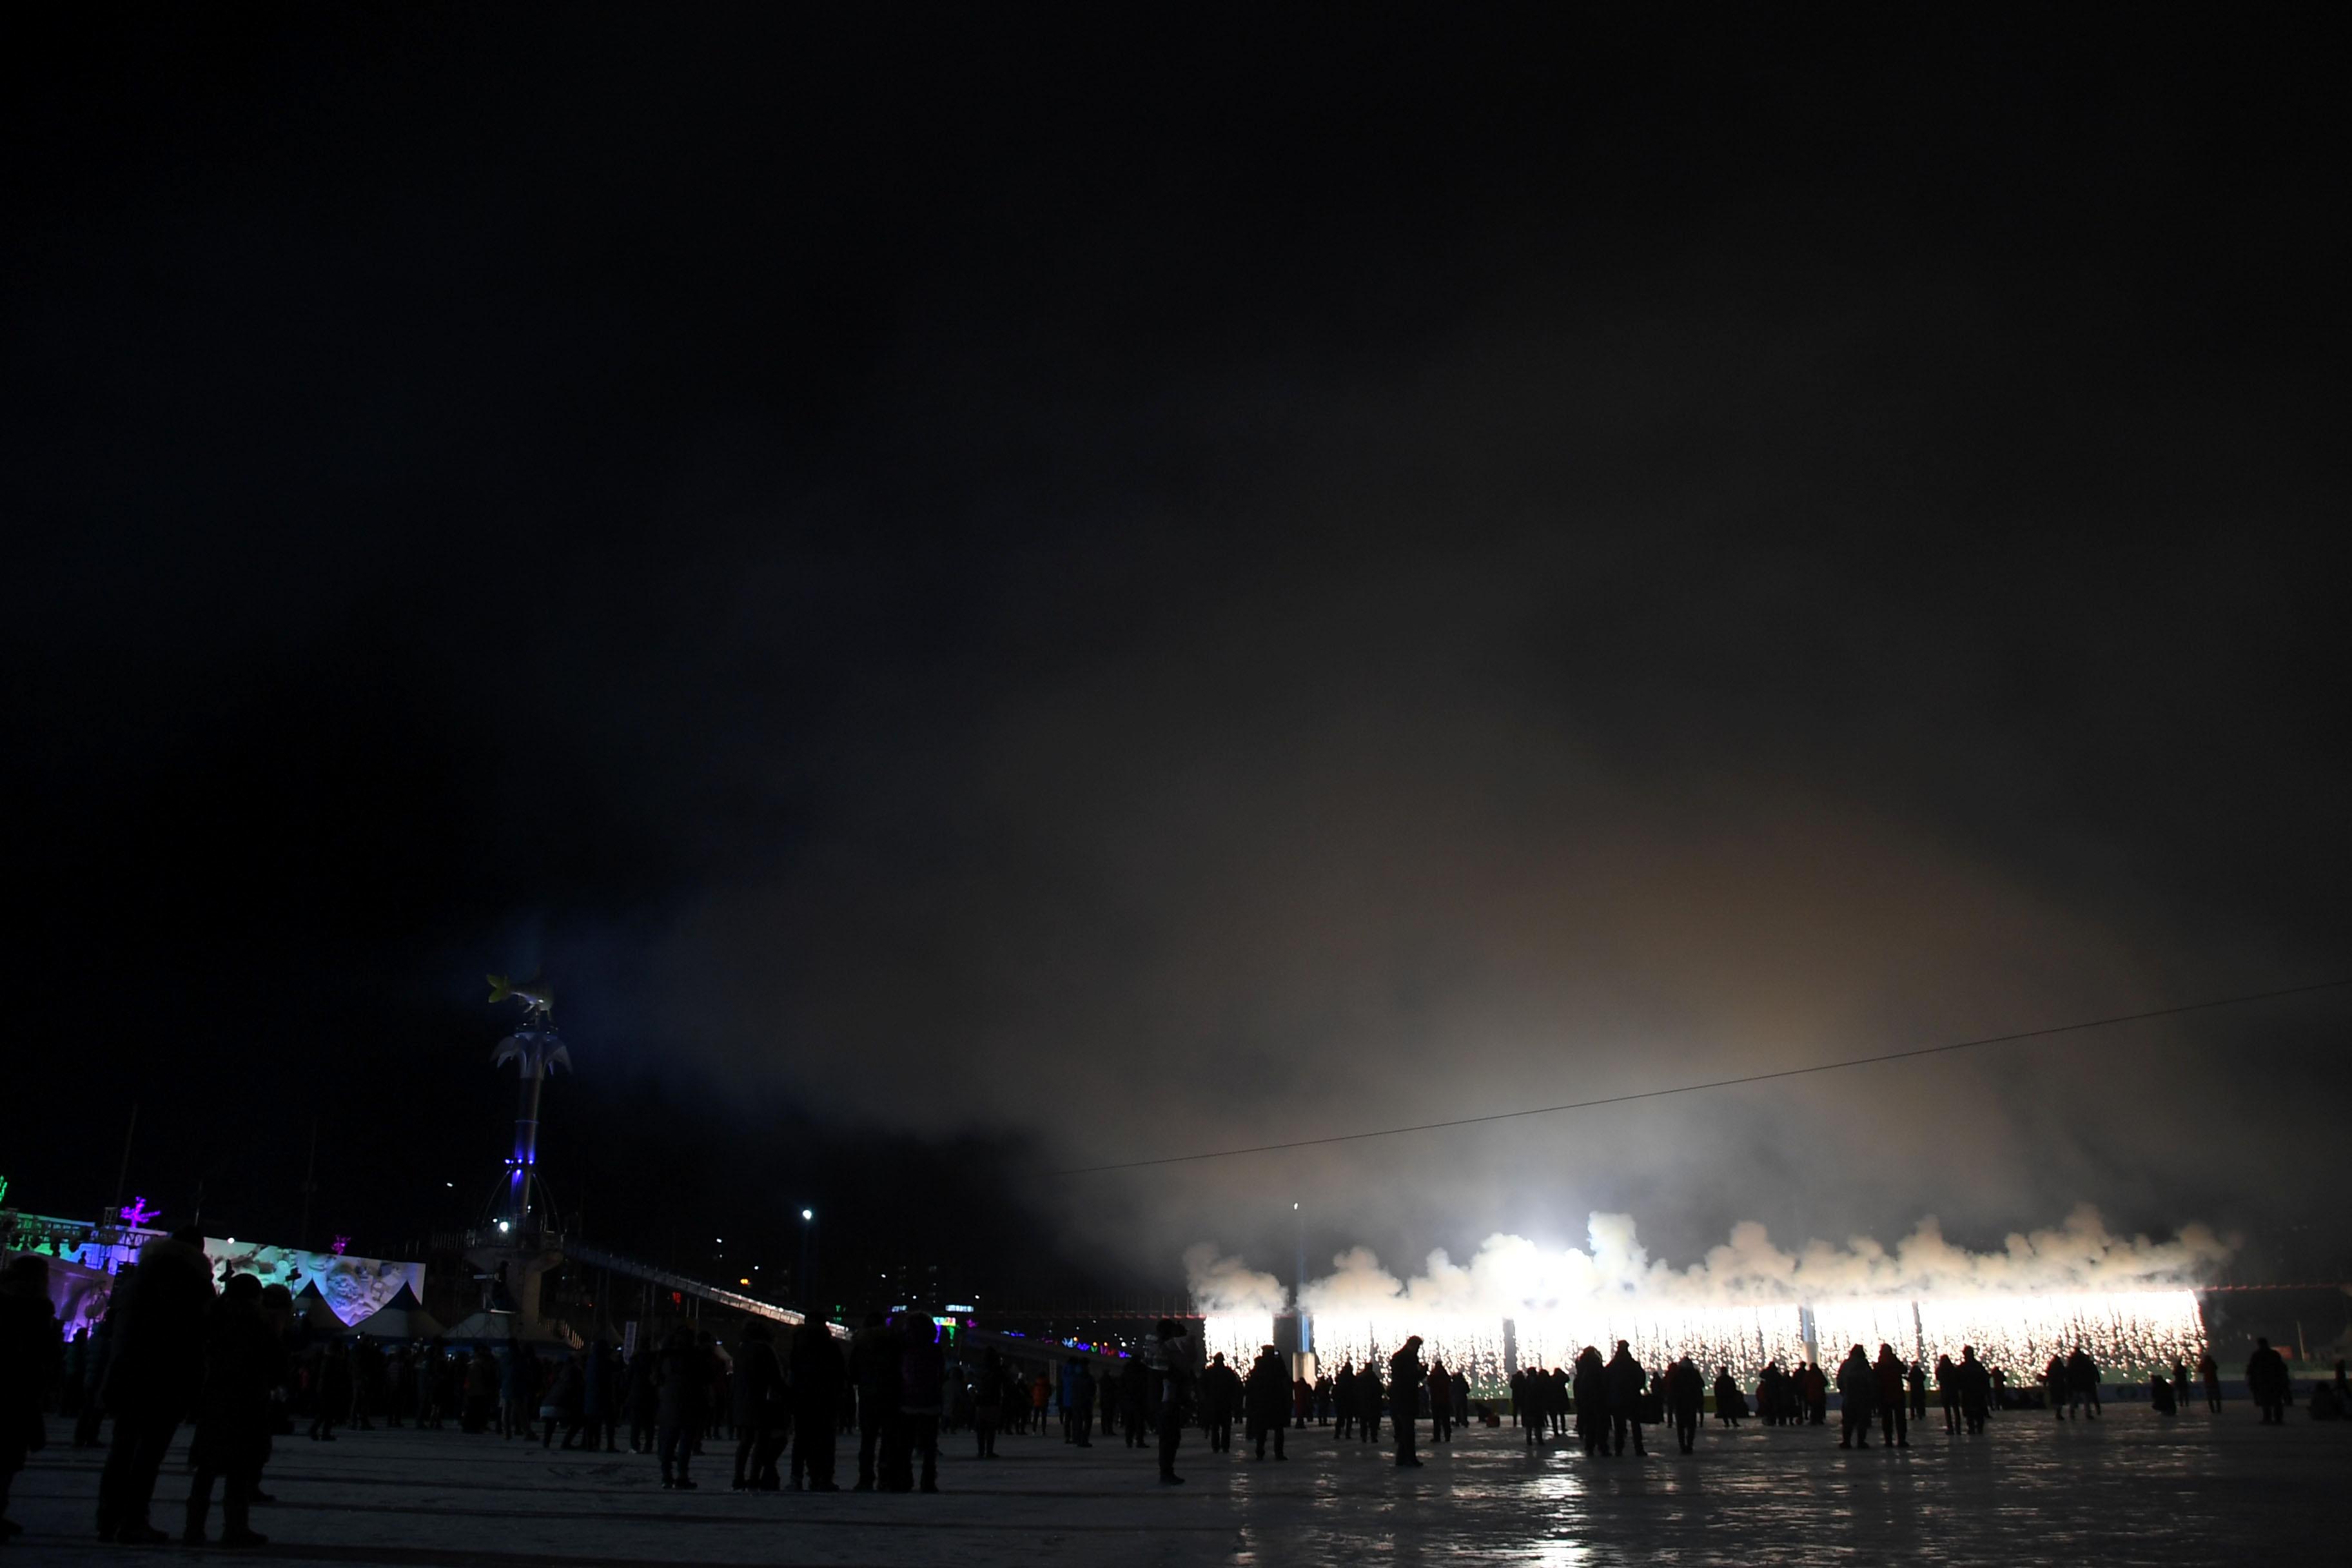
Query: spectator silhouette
<point>157,1371</point>
<point>1857,1384</point>
<point>30,1356</point>
<point>244,1363</point>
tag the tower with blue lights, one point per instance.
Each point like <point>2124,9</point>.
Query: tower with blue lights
<point>536,1049</point>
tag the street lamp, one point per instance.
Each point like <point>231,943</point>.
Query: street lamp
<point>808,1262</point>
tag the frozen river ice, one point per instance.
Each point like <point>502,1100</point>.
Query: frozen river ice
<point>2133,1489</point>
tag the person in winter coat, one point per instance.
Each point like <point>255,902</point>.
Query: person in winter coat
<point>1976,1389</point>
<point>988,1404</point>
<point>1368,1401</point>
<point>1134,1394</point>
<point>92,1414</point>
<point>2053,1385</point>
<point>600,1399</point>
<point>1857,1384</point>
<point>1686,1399</point>
<point>762,1410</point>
<point>164,1309</point>
<point>1406,1379</point>
<point>1626,1381</point>
<point>30,1356</point>
<point>566,1398</point>
<point>245,1361</point>
<point>483,1376</point>
<point>643,1399</point>
<point>1082,1410</point>
<point>332,1396</point>
<point>817,1381</point>
<point>1264,1394</point>
<point>1588,1392</point>
<point>1441,1403</point>
<point>681,1405</point>
<point>922,1385</point>
<point>1894,1401</point>
<point>1222,1397</point>
<point>873,1369</point>
<point>518,1390</point>
<point>1730,1404</point>
<point>1174,1376</point>
<point>2266,1383</point>
<point>2082,1382</point>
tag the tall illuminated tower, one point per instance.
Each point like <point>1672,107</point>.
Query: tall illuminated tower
<point>536,1050</point>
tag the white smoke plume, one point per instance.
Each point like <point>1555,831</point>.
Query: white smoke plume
<point>1228,1286</point>
<point>1510,1275</point>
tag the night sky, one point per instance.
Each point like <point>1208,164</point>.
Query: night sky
<point>989,593</point>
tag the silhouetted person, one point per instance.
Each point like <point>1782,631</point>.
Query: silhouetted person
<point>818,1378</point>
<point>93,1385</point>
<point>1591,1401</point>
<point>31,1355</point>
<point>244,1360</point>
<point>1857,1382</point>
<point>1264,1393</point>
<point>873,1369</point>
<point>158,1367</point>
<point>1892,1404</point>
<point>1976,1389</point>
<point>2159,1394</point>
<point>1405,1376</point>
<point>518,1390</point>
<point>1134,1396</point>
<point>1175,1395</point>
<point>1730,1404</point>
<point>2208,1369</point>
<point>758,1397</point>
<point>644,1400</point>
<point>1947,1391</point>
<point>682,1396</point>
<point>600,1396</point>
<point>1082,1393</point>
<point>1626,1381</point>
<point>1441,1403</point>
<point>922,1385</point>
<point>2082,1381</point>
<point>988,1407</point>
<point>1368,1401</point>
<point>1918,1392</point>
<point>1686,1399</point>
<point>2266,1382</point>
<point>1221,1395</point>
<point>567,1393</point>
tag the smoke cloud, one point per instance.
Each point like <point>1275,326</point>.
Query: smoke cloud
<point>1510,1275</point>
<point>1226,1285</point>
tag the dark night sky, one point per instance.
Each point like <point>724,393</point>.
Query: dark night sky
<point>986,594</point>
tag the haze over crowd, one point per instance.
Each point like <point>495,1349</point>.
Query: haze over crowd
<point>1160,628</point>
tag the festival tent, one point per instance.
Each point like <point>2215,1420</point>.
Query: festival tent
<point>312,1310</point>
<point>402,1318</point>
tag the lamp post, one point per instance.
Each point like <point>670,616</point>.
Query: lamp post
<point>808,1265</point>
<point>1299,1300</point>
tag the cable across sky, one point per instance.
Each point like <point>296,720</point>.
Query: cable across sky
<point>1911,1054</point>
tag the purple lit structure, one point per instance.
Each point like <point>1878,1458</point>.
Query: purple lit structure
<point>535,1049</point>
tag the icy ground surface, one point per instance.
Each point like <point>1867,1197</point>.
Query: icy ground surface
<point>2133,1489</point>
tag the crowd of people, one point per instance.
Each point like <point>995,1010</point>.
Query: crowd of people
<point>237,1362</point>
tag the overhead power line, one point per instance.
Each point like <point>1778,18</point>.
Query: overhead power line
<point>2206,1006</point>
